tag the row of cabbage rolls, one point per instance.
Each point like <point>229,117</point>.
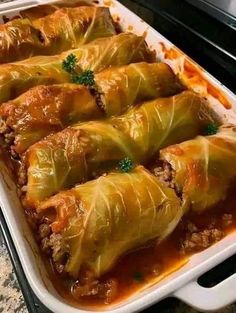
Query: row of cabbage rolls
<point>84,113</point>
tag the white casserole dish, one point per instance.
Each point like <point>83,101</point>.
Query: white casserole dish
<point>182,283</point>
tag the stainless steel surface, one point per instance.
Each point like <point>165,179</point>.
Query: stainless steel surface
<point>223,10</point>
<point>229,6</point>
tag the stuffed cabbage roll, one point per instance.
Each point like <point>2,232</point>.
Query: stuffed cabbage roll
<point>97,222</point>
<point>202,169</point>
<point>46,9</point>
<point>46,109</point>
<point>85,150</point>
<point>122,49</point>
<point>62,30</point>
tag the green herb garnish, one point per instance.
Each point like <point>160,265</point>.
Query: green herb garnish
<point>211,129</point>
<point>138,276</point>
<point>86,78</point>
<point>69,63</point>
<point>126,165</point>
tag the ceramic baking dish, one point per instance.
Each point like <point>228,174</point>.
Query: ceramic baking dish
<point>183,282</point>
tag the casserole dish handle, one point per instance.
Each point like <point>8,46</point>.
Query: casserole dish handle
<point>208,299</point>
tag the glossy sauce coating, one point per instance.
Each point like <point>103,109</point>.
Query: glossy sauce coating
<point>193,74</point>
<point>152,263</point>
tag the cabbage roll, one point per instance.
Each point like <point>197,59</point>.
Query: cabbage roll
<point>122,49</point>
<point>65,29</point>
<point>85,150</point>
<point>46,109</point>
<point>46,9</point>
<point>202,169</point>
<point>95,223</point>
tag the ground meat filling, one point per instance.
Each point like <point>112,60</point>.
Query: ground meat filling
<point>3,126</point>
<point>227,220</point>
<point>88,286</point>
<point>22,176</point>
<point>8,136</point>
<point>98,98</point>
<point>195,239</point>
<point>6,132</point>
<point>53,245</point>
<point>166,174</point>
<point>199,238</point>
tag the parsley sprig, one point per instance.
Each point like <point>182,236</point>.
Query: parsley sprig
<point>211,129</point>
<point>126,165</point>
<point>86,78</point>
<point>69,64</point>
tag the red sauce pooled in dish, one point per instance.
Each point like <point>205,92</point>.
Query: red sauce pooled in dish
<point>194,73</point>
<point>153,262</point>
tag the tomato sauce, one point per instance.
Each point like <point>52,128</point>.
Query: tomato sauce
<point>192,71</point>
<point>193,74</point>
<point>153,262</point>
<point>149,264</point>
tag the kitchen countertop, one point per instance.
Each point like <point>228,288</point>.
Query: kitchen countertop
<point>11,299</point>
